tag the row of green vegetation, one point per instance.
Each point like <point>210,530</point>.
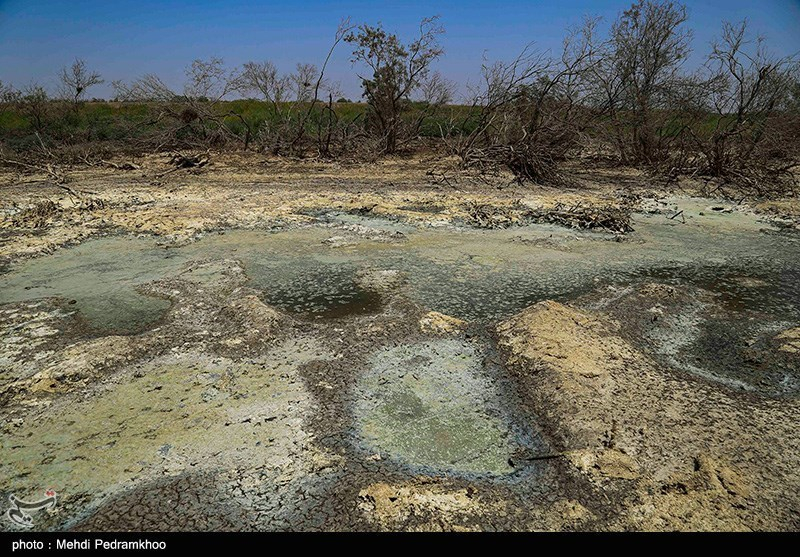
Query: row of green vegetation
<point>99,120</point>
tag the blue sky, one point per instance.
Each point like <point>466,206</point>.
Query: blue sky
<point>123,39</point>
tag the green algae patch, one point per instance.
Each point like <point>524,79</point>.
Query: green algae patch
<point>182,412</point>
<point>428,405</point>
<point>99,278</point>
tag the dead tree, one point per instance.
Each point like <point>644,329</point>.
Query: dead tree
<point>76,79</point>
<point>34,104</point>
<point>196,118</point>
<point>327,114</point>
<point>529,113</point>
<point>748,90</point>
<point>7,93</point>
<point>264,80</point>
<point>302,80</point>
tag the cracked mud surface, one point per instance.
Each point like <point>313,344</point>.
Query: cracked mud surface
<point>260,358</point>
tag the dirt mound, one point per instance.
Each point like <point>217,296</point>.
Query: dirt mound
<point>697,457</point>
<point>437,323</point>
<point>790,340</point>
<point>570,341</point>
<point>380,280</point>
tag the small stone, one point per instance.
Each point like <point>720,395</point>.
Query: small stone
<point>437,323</point>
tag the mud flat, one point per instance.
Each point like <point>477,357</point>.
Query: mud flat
<point>380,361</point>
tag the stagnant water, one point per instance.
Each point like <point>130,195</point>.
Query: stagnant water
<point>430,405</point>
<point>477,275</point>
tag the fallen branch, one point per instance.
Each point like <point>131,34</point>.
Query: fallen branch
<point>607,218</point>
<point>186,161</point>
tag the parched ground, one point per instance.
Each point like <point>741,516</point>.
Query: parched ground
<point>689,456</point>
<point>230,414</point>
<point>239,191</point>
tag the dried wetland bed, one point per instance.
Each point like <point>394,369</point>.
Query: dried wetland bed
<point>307,346</point>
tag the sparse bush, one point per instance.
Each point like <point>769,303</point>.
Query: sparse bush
<point>528,114</point>
<point>636,75</point>
<point>34,104</point>
<point>748,95</point>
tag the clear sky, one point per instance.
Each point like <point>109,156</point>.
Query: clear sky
<point>123,39</point>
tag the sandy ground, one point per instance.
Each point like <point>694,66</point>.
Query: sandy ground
<point>234,191</point>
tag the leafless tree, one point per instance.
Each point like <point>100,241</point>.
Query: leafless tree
<point>327,120</point>
<point>7,93</point>
<point>148,88</point>
<point>207,80</point>
<point>294,99</point>
<point>76,79</point>
<point>436,90</point>
<point>34,104</point>
<point>197,116</point>
<point>263,79</point>
<point>397,72</point>
<point>530,112</point>
<point>303,80</point>
<point>748,90</point>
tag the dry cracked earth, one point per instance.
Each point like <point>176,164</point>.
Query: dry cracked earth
<point>270,347</point>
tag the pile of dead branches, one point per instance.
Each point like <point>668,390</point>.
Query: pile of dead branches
<point>484,215</point>
<point>613,219</point>
<point>44,213</point>
<point>36,216</point>
<point>180,160</point>
<point>526,162</point>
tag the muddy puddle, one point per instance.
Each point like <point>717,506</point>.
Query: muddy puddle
<point>97,280</point>
<point>435,407</point>
<point>480,276</point>
<point>719,322</point>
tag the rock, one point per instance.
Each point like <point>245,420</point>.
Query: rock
<point>658,290</point>
<point>44,384</point>
<point>209,394</point>
<point>380,280</point>
<point>392,506</point>
<point>437,323</point>
<point>572,510</point>
<point>253,323</point>
<point>338,242</point>
<point>709,497</point>
<point>81,362</point>
<point>712,475</point>
<point>750,282</point>
<point>251,311</point>
<point>789,340</point>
